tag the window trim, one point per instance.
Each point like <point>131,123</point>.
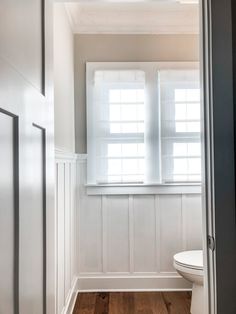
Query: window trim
<point>144,189</point>
<point>91,67</point>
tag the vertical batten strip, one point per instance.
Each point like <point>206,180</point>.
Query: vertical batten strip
<point>104,234</point>
<point>71,224</point>
<point>73,220</point>
<point>70,213</point>
<point>183,222</point>
<point>131,234</point>
<point>158,233</point>
<point>56,234</point>
<point>64,231</point>
<point>79,177</point>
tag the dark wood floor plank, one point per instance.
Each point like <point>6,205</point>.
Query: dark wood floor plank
<point>121,303</point>
<point>128,302</point>
<point>149,303</point>
<point>116,303</point>
<point>157,303</point>
<point>177,302</point>
<point>133,303</point>
<point>102,303</point>
<point>85,303</point>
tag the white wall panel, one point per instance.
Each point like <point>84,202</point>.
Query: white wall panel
<point>170,230</point>
<point>192,220</point>
<point>117,233</point>
<point>144,233</point>
<point>90,228</point>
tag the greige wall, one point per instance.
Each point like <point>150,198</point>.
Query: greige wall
<point>63,80</point>
<point>112,48</point>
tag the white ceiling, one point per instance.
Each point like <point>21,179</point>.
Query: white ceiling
<point>133,17</point>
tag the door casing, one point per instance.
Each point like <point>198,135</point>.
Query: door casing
<point>219,190</point>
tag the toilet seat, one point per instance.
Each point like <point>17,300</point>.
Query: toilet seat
<point>191,261</point>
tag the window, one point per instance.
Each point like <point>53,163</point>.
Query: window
<point>180,124</point>
<point>143,124</point>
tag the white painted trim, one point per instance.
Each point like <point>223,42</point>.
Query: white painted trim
<point>137,189</point>
<point>131,233</point>
<point>158,232</point>
<point>82,157</point>
<point>137,274</point>
<point>183,219</point>
<point>141,283</point>
<point>143,189</point>
<point>135,290</point>
<point>63,155</point>
<point>133,17</point>
<point>69,17</point>
<point>104,234</point>
<point>138,65</point>
<point>87,30</point>
<point>68,309</point>
<point>56,236</point>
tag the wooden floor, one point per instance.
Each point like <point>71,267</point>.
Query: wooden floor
<point>133,303</point>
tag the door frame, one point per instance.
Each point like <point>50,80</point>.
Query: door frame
<point>219,153</point>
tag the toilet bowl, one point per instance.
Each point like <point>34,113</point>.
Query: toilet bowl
<point>189,265</point>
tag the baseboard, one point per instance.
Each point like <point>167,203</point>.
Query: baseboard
<point>123,284</point>
<point>70,302</point>
<point>90,284</point>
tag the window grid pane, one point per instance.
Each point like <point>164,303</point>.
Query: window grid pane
<point>120,148</point>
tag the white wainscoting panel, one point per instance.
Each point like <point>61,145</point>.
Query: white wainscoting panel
<point>144,225</point>
<point>170,210</point>
<point>66,233</point>
<point>192,222</point>
<point>127,242</point>
<point>90,234</point>
<point>116,233</point>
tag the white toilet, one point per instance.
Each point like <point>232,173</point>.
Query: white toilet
<point>189,265</point>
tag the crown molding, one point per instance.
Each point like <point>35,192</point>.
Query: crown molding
<point>133,18</point>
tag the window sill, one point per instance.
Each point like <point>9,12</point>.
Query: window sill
<point>132,189</point>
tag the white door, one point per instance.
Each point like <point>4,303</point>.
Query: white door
<point>26,158</point>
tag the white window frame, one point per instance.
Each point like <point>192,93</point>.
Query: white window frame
<point>151,69</point>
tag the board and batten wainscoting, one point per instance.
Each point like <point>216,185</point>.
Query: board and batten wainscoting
<point>127,240</point>
<point>66,231</point>
<point>120,242</point>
